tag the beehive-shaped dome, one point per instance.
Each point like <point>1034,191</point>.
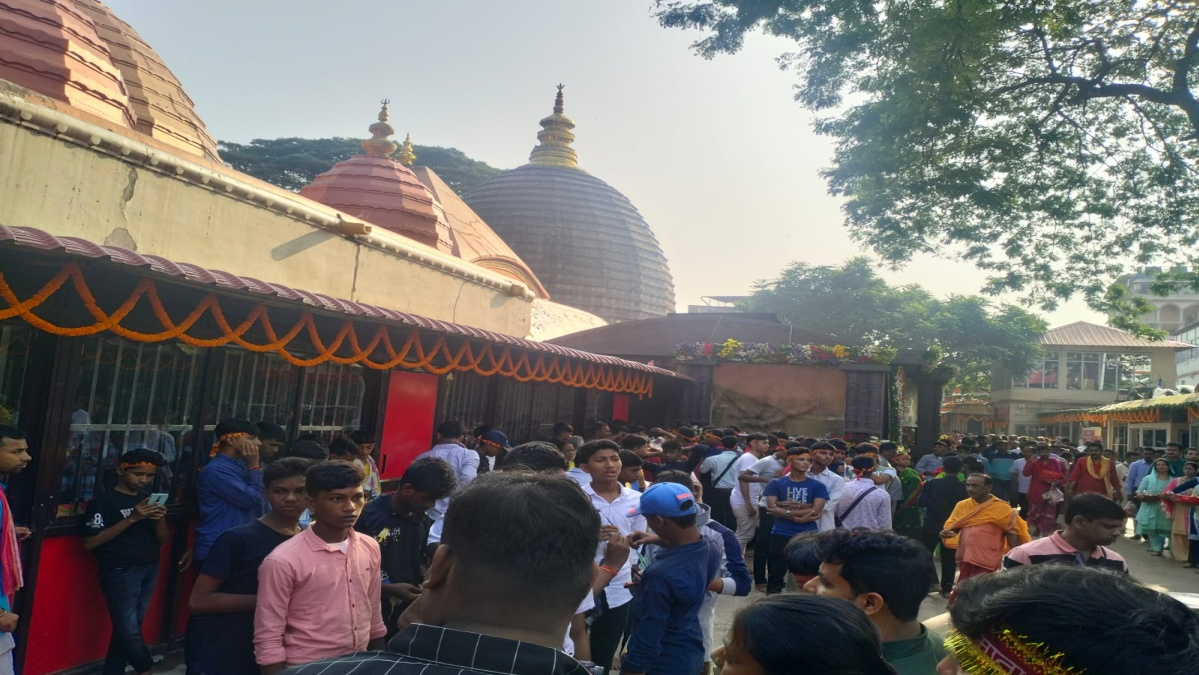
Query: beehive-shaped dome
<point>79,53</point>
<point>382,191</point>
<point>585,240</point>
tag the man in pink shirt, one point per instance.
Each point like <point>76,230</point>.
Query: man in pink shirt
<point>319,593</point>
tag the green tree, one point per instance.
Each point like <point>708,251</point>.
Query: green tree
<point>1052,144</point>
<point>292,163</point>
<point>855,305</point>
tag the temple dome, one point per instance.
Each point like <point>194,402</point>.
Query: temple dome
<point>585,240</point>
<point>77,52</point>
<point>382,191</point>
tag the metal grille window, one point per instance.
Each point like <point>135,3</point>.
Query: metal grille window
<point>332,399</point>
<point>131,395</point>
<point>255,387</point>
<point>14,360</point>
<point>464,397</point>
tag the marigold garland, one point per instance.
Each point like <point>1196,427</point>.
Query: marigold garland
<point>478,358</point>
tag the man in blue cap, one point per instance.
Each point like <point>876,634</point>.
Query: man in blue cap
<point>492,447</point>
<point>666,638</point>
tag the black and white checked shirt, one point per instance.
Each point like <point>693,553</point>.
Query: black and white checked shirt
<point>429,650</point>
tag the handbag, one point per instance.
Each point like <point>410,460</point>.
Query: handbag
<point>1054,495</point>
<point>837,520</point>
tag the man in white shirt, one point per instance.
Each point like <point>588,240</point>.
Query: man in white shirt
<point>886,475</point>
<point>1020,482</point>
<point>757,477</point>
<point>864,504</point>
<point>722,476</point>
<point>614,502</point>
<point>822,456</point>
<point>743,499</point>
<point>1121,470</point>
<point>463,460</point>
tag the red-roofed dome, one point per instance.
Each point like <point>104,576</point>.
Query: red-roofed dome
<point>383,192</point>
<point>77,52</point>
<point>52,48</point>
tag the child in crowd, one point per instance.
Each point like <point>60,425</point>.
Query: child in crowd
<point>651,459</point>
<point>365,443</point>
<point>398,523</point>
<point>665,636</point>
<point>319,592</point>
<point>220,631</point>
<point>126,532</point>
<point>631,470</point>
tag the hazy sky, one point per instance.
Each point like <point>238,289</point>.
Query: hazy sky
<point>716,155</point>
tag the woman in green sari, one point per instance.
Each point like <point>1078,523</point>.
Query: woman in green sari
<point>908,518</point>
<point>1152,520</point>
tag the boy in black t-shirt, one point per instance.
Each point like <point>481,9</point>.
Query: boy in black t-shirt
<point>220,631</point>
<point>397,521</point>
<point>126,532</point>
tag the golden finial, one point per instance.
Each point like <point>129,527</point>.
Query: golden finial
<point>379,145</point>
<point>407,155</point>
<point>556,137</point>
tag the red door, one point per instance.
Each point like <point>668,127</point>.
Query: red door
<point>620,407</point>
<point>408,422</point>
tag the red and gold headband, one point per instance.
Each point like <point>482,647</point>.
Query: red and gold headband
<point>1003,651</point>
<point>216,447</point>
<point>130,465</point>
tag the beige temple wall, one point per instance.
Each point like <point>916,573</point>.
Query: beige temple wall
<point>805,400</point>
<point>67,188</point>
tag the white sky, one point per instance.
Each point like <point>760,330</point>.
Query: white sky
<point>716,155</point>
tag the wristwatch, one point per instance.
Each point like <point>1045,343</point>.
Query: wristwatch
<point>788,512</point>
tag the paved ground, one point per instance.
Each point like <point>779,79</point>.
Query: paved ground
<point>1162,573</point>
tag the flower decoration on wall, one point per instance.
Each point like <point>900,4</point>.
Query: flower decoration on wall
<point>736,351</point>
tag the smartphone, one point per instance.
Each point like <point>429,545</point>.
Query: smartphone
<point>158,499</point>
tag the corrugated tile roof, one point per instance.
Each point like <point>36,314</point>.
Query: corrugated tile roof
<point>1084,334</point>
<point>32,238</point>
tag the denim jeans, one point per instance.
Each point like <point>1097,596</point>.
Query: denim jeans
<point>127,591</point>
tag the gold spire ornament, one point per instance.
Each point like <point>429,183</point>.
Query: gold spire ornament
<point>556,137</point>
<point>407,154</point>
<point>379,145</point>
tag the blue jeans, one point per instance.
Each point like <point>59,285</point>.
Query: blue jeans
<point>128,591</point>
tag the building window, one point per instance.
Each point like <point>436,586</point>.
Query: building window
<point>1082,370</point>
<point>332,399</point>
<point>1152,438</point>
<point>1125,373</point>
<point>131,395</point>
<point>1044,377</point>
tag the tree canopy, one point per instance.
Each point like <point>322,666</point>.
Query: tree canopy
<point>858,307</point>
<point>1052,144</point>
<point>292,163</point>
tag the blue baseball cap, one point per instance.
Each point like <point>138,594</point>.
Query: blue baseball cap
<point>496,436</point>
<point>669,500</point>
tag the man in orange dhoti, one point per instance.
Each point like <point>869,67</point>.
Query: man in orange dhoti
<point>982,528</point>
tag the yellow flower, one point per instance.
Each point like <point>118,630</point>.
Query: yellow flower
<point>840,351</point>
<point>729,348</point>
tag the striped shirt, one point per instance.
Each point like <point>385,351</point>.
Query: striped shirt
<point>1055,549</point>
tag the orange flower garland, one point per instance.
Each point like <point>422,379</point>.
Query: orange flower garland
<point>484,361</point>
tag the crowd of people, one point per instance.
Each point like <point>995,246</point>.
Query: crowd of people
<point>574,556</point>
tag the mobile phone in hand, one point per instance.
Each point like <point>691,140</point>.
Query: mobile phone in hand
<point>158,499</point>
